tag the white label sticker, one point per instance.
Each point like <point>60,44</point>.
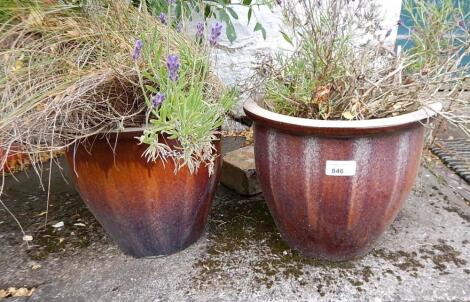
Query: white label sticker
<point>340,167</point>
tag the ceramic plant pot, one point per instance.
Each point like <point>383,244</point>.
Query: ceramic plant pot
<point>144,206</point>
<point>15,159</point>
<point>334,187</point>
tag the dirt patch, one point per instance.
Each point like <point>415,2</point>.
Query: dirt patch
<point>245,230</point>
<point>79,230</point>
<point>458,211</point>
<point>405,261</point>
<point>242,233</point>
<point>442,255</point>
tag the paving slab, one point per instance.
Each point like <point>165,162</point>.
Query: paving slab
<point>425,255</point>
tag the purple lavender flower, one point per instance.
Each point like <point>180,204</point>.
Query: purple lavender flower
<point>137,50</point>
<point>462,24</point>
<point>163,18</point>
<point>179,27</point>
<point>173,66</point>
<point>216,31</point>
<point>158,99</point>
<point>200,30</point>
<point>171,1</point>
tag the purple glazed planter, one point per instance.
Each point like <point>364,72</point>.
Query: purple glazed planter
<point>144,206</point>
<point>334,187</point>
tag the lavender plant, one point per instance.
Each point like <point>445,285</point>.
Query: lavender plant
<point>182,104</point>
<point>343,68</point>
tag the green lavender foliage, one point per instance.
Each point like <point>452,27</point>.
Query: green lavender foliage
<point>194,107</point>
<point>218,9</point>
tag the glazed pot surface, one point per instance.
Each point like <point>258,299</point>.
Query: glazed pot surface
<point>334,192</point>
<point>15,159</point>
<point>144,206</point>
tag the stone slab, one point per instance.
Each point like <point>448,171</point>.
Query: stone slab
<point>239,172</point>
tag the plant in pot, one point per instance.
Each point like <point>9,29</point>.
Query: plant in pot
<point>340,126</point>
<point>133,103</point>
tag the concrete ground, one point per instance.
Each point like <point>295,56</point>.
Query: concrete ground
<point>425,255</point>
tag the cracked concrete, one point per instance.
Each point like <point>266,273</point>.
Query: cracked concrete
<point>425,255</point>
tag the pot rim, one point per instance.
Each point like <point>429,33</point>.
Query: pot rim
<point>289,123</point>
<point>130,129</point>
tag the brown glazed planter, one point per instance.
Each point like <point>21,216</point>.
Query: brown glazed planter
<point>15,159</point>
<point>145,207</point>
<point>336,216</point>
